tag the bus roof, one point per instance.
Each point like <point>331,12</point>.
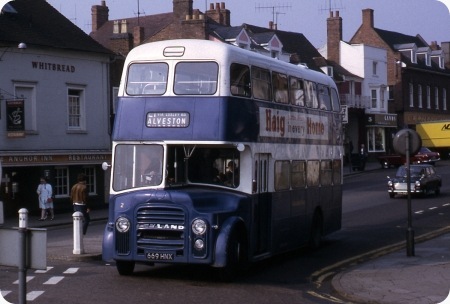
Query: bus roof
<point>196,49</point>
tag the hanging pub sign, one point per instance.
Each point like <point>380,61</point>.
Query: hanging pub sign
<point>15,118</point>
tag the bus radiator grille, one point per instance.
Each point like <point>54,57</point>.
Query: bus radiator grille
<point>160,227</point>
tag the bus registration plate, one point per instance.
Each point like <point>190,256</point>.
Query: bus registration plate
<point>159,256</point>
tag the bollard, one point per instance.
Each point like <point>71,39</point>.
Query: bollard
<point>23,225</point>
<point>78,247</point>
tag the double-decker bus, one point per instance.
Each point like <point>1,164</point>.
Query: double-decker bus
<point>221,157</point>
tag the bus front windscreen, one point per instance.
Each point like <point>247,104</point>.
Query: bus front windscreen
<point>137,166</point>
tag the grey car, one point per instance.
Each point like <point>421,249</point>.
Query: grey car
<point>424,180</point>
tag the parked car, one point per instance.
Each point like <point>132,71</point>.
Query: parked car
<point>424,156</point>
<point>423,180</point>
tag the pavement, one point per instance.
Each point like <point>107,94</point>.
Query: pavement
<point>386,276</point>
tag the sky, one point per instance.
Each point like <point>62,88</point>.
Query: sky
<point>429,18</point>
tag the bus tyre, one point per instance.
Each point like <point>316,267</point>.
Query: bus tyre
<point>236,257</point>
<point>315,238</point>
<point>125,268</point>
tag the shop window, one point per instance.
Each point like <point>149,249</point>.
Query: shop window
<point>61,186</point>
<point>376,139</point>
<point>91,184</point>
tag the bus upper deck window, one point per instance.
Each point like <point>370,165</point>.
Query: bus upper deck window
<point>196,78</point>
<point>335,100</point>
<point>240,80</point>
<point>147,79</point>
<point>280,87</point>
<point>324,97</point>
<point>296,92</point>
<point>261,84</point>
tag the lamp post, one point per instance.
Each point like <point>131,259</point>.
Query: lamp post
<point>407,142</point>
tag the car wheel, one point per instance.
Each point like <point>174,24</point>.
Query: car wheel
<point>437,191</point>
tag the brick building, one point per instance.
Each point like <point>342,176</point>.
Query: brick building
<point>418,73</point>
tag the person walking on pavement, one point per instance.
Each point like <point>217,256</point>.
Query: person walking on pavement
<point>363,155</point>
<point>45,192</point>
<point>78,195</point>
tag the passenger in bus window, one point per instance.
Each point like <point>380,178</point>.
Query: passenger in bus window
<point>149,170</point>
<point>232,174</point>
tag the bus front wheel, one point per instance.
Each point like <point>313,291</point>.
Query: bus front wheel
<point>125,268</point>
<point>236,257</point>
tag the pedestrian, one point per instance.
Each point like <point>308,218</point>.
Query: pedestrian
<point>78,195</point>
<point>363,155</point>
<point>45,193</point>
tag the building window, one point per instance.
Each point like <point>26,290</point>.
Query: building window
<point>428,97</point>
<point>444,99</point>
<point>376,139</point>
<point>61,187</point>
<point>75,109</point>
<point>374,67</point>
<point>419,95</point>
<point>436,98</point>
<point>411,95</point>
<point>90,180</point>
<point>374,99</point>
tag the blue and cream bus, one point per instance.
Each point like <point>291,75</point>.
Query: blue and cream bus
<point>221,156</point>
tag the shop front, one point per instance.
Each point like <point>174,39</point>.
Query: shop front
<point>22,172</point>
<point>381,129</point>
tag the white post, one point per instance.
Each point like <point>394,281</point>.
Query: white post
<point>78,247</point>
<point>23,226</point>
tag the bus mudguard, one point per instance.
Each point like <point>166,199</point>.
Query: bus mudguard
<point>222,240</point>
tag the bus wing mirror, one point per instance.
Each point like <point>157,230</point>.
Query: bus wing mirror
<point>105,166</point>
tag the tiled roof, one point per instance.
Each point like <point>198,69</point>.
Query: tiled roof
<point>293,43</point>
<point>393,38</point>
<point>38,23</point>
<point>152,25</point>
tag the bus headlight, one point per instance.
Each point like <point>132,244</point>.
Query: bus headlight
<point>199,227</point>
<point>122,224</point>
<point>199,244</point>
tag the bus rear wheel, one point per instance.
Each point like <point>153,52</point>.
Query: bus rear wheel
<point>315,238</point>
<point>125,268</point>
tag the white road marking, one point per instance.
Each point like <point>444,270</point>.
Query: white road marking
<point>53,280</point>
<point>432,208</point>
<point>71,270</point>
<point>32,295</point>
<point>29,278</point>
<point>44,271</point>
<point>419,212</point>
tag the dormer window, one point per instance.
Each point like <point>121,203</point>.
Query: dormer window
<point>437,57</point>
<point>408,50</point>
<point>423,55</point>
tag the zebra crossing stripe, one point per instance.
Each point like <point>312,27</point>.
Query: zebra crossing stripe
<point>29,278</point>
<point>44,271</point>
<point>71,270</point>
<point>53,280</point>
<point>32,295</point>
<point>4,293</point>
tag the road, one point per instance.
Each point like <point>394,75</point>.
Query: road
<point>371,220</point>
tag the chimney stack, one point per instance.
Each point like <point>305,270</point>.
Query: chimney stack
<point>334,37</point>
<point>100,15</point>
<point>368,18</point>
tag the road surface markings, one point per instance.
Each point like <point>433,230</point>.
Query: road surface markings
<point>53,280</point>
<point>44,271</point>
<point>29,278</point>
<point>32,295</point>
<point>432,208</point>
<point>4,293</point>
<point>71,270</point>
